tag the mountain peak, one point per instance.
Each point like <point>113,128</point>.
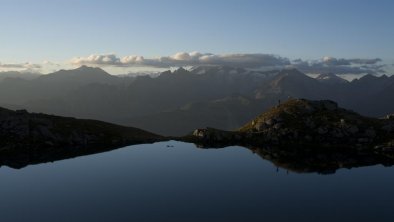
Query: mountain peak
<point>330,78</point>
<point>291,73</point>
<point>85,68</point>
<point>369,76</point>
<point>81,75</point>
<point>180,70</point>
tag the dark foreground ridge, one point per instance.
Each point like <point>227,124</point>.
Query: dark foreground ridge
<point>299,135</point>
<point>29,138</point>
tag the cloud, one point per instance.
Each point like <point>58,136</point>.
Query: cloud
<point>343,62</point>
<point>49,63</point>
<point>44,66</point>
<point>242,60</point>
<point>340,66</point>
<point>26,65</point>
<point>104,59</point>
<point>185,59</point>
<point>365,61</point>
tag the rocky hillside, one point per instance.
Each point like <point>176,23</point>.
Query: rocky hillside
<point>31,135</point>
<point>306,123</point>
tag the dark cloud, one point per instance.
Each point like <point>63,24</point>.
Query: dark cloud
<point>331,61</point>
<point>365,61</point>
<point>340,66</point>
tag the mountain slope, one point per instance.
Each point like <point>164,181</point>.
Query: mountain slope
<point>226,113</point>
<point>18,75</point>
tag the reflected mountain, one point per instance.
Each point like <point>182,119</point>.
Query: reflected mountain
<point>318,160</point>
<point>24,157</point>
<point>321,162</point>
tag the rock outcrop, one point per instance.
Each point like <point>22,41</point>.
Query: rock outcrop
<point>304,123</point>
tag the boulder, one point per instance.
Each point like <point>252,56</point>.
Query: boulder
<point>370,133</point>
<point>322,130</point>
<point>329,105</point>
<point>270,122</point>
<point>259,126</point>
<point>352,129</point>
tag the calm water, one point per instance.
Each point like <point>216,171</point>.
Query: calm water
<point>183,183</point>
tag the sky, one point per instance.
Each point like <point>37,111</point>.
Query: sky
<point>125,35</point>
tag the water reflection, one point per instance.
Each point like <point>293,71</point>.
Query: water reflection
<point>295,160</point>
<point>318,160</point>
<point>20,158</point>
<point>175,181</point>
<point>321,162</point>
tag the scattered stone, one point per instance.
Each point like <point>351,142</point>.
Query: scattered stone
<point>329,105</point>
<point>353,129</point>
<point>259,126</point>
<point>363,140</point>
<point>388,127</point>
<point>370,133</point>
<point>309,123</point>
<point>269,122</point>
<point>336,133</point>
<point>309,109</point>
<point>342,122</point>
<point>322,130</point>
<point>390,117</point>
<point>278,126</point>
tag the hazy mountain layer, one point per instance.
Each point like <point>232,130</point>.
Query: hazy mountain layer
<point>175,103</point>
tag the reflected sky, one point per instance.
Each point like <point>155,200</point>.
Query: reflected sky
<point>183,183</point>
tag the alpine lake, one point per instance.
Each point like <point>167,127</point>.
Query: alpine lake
<point>177,181</point>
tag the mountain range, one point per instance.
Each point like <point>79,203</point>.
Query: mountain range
<point>176,102</point>
<point>321,134</point>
